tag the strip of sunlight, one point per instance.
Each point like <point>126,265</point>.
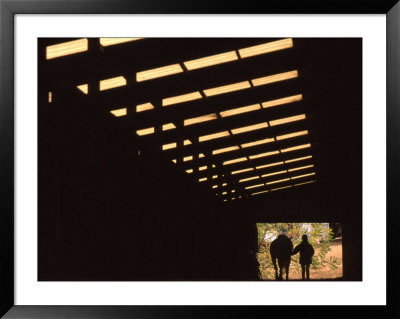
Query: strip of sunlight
<point>240,110</point>
<point>215,186</point>
<point>274,173</point>
<point>263,154</point>
<point>105,42</point>
<point>174,161</point>
<point>168,126</point>
<point>66,48</point>
<point>298,159</point>
<point>188,158</point>
<point>211,60</point>
<point>189,171</point>
<point>309,182</point>
<point>112,83</point>
<point>232,191</point>
<point>213,136</point>
<point>259,142</point>
<point>275,78</point>
<point>158,72</point>
<point>295,148</point>
<point>301,176</point>
<point>202,168</point>
<point>290,135</point>
<point>213,166</point>
<point>279,188</point>
<point>248,179</point>
<point>262,192</point>
<point>269,165</point>
<point>119,112</point>
<point>145,131</point>
<point>50,97</point>
<point>224,150</point>
<point>181,98</point>
<point>249,128</point>
<point>236,160</point>
<point>214,176</point>
<point>227,88</point>
<point>84,88</point>
<point>224,193</point>
<point>169,146</point>
<point>266,48</point>
<point>287,120</point>
<point>224,184</point>
<point>242,170</point>
<point>254,186</point>
<point>285,100</point>
<point>201,155</point>
<point>233,198</point>
<point>200,119</point>
<point>202,179</point>
<point>300,168</point>
<point>278,181</point>
<point>187,142</point>
<point>144,107</point>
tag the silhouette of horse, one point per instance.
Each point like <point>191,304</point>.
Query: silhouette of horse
<point>281,249</point>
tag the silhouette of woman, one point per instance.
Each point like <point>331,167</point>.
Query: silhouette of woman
<point>306,253</point>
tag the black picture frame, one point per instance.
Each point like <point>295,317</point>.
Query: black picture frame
<point>8,10</point>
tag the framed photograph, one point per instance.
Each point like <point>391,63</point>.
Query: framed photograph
<point>175,160</point>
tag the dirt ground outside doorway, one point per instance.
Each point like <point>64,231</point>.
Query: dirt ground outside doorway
<point>324,273</point>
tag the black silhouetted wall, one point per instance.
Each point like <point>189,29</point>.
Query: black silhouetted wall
<point>108,213</point>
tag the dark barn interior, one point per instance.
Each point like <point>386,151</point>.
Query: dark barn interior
<point>134,186</point>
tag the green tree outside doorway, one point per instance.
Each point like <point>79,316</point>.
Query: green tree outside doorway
<point>319,236</point>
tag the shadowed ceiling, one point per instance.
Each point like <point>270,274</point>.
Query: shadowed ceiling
<point>242,117</point>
